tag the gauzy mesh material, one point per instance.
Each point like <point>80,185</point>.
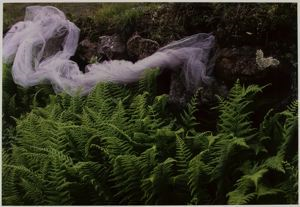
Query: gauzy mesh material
<point>41,45</point>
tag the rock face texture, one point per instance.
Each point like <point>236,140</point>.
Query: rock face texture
<point>240,63</point>
<point>230,64</point>
<point>87,49</point>
<point>111,47</point>
<point>114,47</point>
<point>179,95</point>
<point>233,63</point>
<point>139,48</point>
<point>54,44</point>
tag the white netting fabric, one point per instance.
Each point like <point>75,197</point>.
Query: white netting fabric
<point>41,45</point>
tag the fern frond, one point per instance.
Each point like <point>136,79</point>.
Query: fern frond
<point>126,176</point>
<point>116,146</point>
<point>148,160</point>
<point>290,131</point>
<point>183,155</point>
<point>263,190</point>
<point>256,176</point>
<point>157,185</point>
<point>188,116</point>
<point>100,100</point>
<point>148,82</point>
<point>247,187</point>
<point>138,109</point>
<point>57,186</point>
<point>234,117</point>
<point>10,193</point>
<point>22,171</point>
<point>290,185</point>
<point>33,192</point>
<point>198,176</point>
<point>275,163</point>
<point>224,148</point>
<point>239,197</point>
<point>96,175</point>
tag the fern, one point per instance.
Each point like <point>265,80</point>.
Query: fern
<point>148,160</point>
<point>198,177</point>
<point>116,146</point>
<point>290,185</point>
<point>158,184</point>
<point>290,131</point>
<point>250,187</point>
<point>183,155</point>
<point>234,117</point>
<point>10,195</point>
<point>188,118</point>
<point>56,183</point>
<point>122,145</point>
<point>126,176</point>
<point>148,83</point>
<point>95,175</point>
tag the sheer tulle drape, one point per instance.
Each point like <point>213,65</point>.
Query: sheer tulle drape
<point>40,47</point>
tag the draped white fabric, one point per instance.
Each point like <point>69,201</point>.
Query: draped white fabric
<point>28,43</point>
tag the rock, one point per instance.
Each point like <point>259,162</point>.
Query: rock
<point>139,48</point>
<point>54,44</point>
<point>232,63</point>
<point>208,94</point>
<point>179,95</point>
<point>111,47</point>
<point>84,53</point>
<point>87,49</point>
<point>240,63</point>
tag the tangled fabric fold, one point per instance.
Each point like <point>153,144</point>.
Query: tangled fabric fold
<point>40,47</point>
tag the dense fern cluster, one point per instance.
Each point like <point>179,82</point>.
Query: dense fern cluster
<point>16,101</point>
<point>123,146</point>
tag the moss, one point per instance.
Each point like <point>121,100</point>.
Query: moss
<point>117,14</point>
<point>120,18</point>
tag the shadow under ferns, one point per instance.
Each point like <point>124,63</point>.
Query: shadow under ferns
<point>124,146</point>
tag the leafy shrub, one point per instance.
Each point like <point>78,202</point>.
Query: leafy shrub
<point>121,146</point>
